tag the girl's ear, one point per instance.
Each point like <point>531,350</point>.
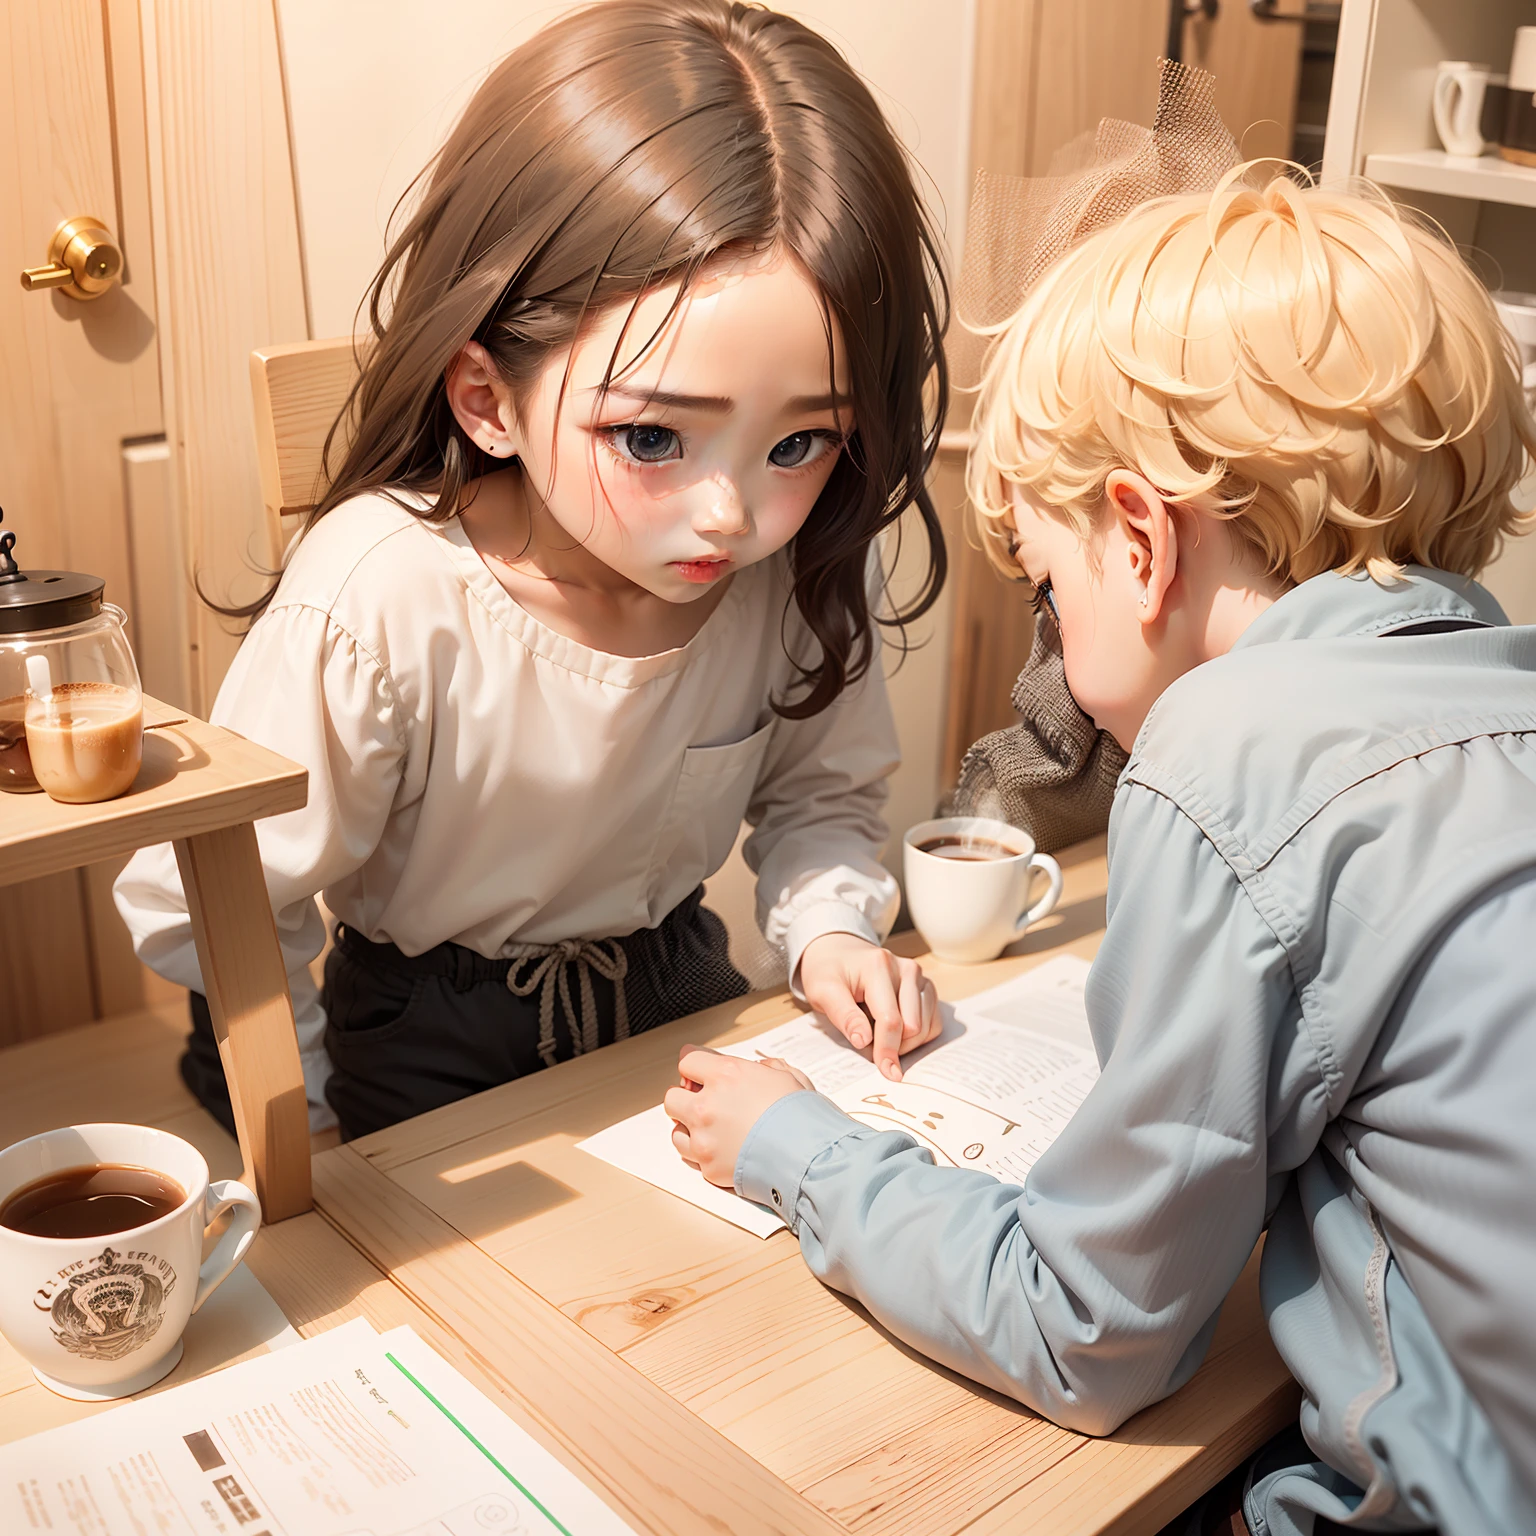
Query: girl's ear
<point>1151,537</point>
<point>475,396</point>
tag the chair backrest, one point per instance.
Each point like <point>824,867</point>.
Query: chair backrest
<point>297,392</point>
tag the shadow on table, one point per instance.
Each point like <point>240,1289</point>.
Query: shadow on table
<point>167,753</point>
<point>521,1190</point>
<point>1065,925</point>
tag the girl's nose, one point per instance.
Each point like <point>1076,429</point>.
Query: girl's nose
<point>722,508</point>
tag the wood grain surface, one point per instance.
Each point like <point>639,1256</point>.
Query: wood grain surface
<point>297,391</point>
<point>246,984</point>
<point>229,276</point>
<point>657,1463</point>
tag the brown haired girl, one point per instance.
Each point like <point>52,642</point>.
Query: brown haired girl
<point>593,581</point>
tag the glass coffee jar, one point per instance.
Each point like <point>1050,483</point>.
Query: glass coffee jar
<point>71,708</point>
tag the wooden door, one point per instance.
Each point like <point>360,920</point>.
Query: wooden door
<point>82,450</point>
<point>1255,54</point>
<point>1046,71</point>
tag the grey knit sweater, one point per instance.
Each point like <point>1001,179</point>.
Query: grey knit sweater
<point>1053,773</point>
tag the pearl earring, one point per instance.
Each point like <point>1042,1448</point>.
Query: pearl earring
<point>1143,600</point>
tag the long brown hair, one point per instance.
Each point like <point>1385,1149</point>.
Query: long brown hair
<point>622,148</point>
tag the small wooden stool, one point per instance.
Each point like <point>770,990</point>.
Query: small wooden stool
<point>201,788</point>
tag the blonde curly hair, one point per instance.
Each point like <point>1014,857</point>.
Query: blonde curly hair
<point>1318,367</point>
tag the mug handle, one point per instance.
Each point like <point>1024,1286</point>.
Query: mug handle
<point>1047,903</point>
<point>225,1195</point>
<point>1450,98</point>
<point>1447,85</point>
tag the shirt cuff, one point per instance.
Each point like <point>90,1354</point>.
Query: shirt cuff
<point>824,917</point>
<point>781,1146</point>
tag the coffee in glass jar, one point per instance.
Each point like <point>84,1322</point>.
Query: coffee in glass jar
<point>86,741</point>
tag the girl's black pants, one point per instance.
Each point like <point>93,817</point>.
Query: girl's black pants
<point>409,1033</point>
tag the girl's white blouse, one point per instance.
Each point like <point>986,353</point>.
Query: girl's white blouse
<point>475,776</point>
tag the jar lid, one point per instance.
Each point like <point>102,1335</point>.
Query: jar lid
<point>34,600</point>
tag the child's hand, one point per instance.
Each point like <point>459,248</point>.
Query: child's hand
<point>719,1102</point>
<point>839,971</point>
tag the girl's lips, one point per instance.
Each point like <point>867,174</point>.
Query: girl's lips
<point>702,571</point>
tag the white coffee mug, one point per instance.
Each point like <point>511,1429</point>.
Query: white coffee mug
<point>1458,106</point>
<point>973,909</point>
<point>102,1317</point>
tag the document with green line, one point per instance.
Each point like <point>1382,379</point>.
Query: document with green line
<point>351,1433</point>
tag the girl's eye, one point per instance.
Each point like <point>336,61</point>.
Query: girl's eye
<point>800,449</point>
<point>645,444</point>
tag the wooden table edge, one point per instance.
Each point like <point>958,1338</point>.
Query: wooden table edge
<point>543,1367</point>
<point>87,834</point>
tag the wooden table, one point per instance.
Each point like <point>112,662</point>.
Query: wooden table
<point>698,1375</point>
<point>201,788</point>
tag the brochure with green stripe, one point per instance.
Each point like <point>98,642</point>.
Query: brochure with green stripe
<point>350,1433</point>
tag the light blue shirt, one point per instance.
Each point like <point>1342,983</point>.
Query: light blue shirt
<point>1315,1009</point>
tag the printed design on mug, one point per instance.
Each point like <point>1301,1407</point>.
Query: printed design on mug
<point>111,1308</point>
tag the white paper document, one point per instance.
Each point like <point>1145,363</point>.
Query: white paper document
<point>992,1092</point>
<point>351,1433</point>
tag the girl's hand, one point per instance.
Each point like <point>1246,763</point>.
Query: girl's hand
<point>840,971</point>
<point>719,1102</point>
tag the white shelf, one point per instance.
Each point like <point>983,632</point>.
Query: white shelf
<point>1488,178</point>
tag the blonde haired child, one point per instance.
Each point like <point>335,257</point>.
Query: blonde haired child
<point>1251,448</point>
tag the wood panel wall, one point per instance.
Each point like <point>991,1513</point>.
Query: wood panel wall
<point>230,278</point>
<point>1046,71</point>
<point>1257,65</point>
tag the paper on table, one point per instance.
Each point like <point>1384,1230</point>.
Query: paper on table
<point>992,1092</point>
<point>347,1434</point>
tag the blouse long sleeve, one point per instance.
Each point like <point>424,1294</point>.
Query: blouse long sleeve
<point>304,687</point>
<point>1093,1290</point>
<point>818,823</point>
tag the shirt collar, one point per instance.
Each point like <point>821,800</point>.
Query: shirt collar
<point>1331,605</point>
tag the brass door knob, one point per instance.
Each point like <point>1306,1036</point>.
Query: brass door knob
<point>83,260</point>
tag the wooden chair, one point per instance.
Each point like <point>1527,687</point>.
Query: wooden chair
<point>297,391</point>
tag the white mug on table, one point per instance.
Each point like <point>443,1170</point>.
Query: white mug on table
<point>969,891</point>
<point>102,1317</point>
<point>1458,106</point>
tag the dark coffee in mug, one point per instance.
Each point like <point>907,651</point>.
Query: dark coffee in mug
<point>93,1201</point>
<point>975,850</point>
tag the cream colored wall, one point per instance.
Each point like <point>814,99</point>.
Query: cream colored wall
<point>373,88</point>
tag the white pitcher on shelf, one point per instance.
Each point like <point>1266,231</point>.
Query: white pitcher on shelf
<point>1458,106</point>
